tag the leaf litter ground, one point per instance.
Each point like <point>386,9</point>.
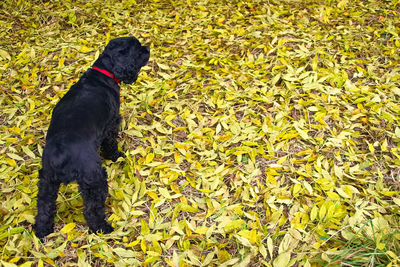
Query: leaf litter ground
<point>260,133</point>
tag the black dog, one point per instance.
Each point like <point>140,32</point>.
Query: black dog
<point>87,118</point>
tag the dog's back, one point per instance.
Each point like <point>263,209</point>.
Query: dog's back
<point>77,124</point>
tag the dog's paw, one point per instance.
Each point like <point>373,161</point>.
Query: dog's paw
<point>41,231</point>
<point>106,228</point>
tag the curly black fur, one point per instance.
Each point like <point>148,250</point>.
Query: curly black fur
<point>85,120</point>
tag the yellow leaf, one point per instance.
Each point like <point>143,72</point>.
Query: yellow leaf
<point>243,241</point>
<point>281,160</point>
<point>333,195</point>
<point>133,243</point>
<point>338,171</point>
<point>11,162</point>
<point>85,49</point>
<point>177,157</point>
<point>219,169</point>
<point>165,76</point>
<point>296,190</point>
<point>391,254</point>
<point>113,217</point>
<point>302,133</point>
<point>223,255</point>
<point>296,234</point>
<point>149,158</point>
<point>14,156</point>
<point>61,62</point>
<point>262,250</point>
<point>331,211</point>
<point>314,64</point>
<point>124,252</point>
<point>202,230</point>
<point>119,194</point>
<point>282,260</point>
<point>153,195</point>
<point>322,211</point>
<point>397,132</point>
<point>308,187</point>
<point>299,220</point>
<point>281,41</point>
<point>26,264</point>
<point>270,246</point>
<point>218,128</point>
<point>371,148</point>
<point>187,207</point>
<point>169,118</point>
<point>384,146</point>
<point>153,237</point>
<point>145,228</point>
<point>249,235</point>
<point>344,192</point>
<point>143,245</point>
<point>132,132</point>
<point>14,260</point>
<point>135,213</point>
<point>396,201</point>
<point>380,246</point>
<point>210,231</point>
<point>50,261</point>
<point>163,66</point>
<point>68,228</point>
<point>164,192</point>
<point>233,225</point>
<point>4,54</point>
<point>101,256</point>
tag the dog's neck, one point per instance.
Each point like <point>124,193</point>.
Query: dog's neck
<point>104,63</point>
<point>107,73</point>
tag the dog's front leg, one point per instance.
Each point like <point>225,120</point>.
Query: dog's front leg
<point>109,145</point>
<point>46,203</point>
<point>94,191</point>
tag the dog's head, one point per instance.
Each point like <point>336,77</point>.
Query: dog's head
<point>124,57</point>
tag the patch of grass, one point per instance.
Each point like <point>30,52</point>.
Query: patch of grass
<point>367,246</point>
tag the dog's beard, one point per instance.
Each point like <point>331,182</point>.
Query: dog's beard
<point>131,79</point>
<point>128,74</point>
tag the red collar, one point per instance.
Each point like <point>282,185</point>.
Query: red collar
<point>107,74</point>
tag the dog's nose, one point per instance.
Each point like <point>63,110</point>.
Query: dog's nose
<point>147,49</point>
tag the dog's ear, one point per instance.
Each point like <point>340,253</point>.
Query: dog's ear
<point>109,53</point>
<point>111,45</point>
<point>105,61</point>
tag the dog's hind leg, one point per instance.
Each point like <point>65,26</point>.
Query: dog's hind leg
<point>109,145</point>
<point>46,203</point>
<point>94,191</point>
